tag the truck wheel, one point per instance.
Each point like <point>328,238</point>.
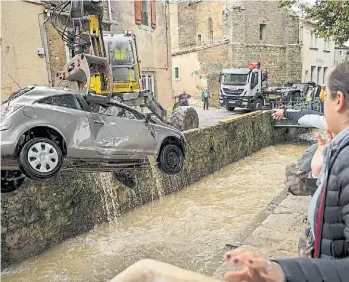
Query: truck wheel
<point>40,158</point>
<point>11,180</point>
<point>171,159</point>
<point>258,104</point>
<point>184,118</point>
<point>229,109</point>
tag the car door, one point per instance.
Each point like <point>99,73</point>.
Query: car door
<point>65,113</point>
<point>118,131</point>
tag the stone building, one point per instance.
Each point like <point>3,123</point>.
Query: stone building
<point>317,54</point>
<point>148,20</point>
<point>209,35</point>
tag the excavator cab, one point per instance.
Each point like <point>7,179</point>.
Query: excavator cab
<point>122,54</point>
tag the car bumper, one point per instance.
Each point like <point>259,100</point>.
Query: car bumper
<point>8,143</point>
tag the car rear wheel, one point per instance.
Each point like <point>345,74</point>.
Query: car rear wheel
<point>171,159</point>
<point>11,180</point>
<point>40,158</point>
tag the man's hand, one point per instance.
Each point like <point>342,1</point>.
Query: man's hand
<point>258,268</point>
<point>278,114</point>
<point>318,158</point>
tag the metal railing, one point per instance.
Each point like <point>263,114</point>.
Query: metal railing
<point>297,105</point>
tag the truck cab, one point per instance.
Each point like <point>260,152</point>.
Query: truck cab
<point>241,87</point>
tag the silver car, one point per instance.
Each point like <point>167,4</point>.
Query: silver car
<point>46,129</point>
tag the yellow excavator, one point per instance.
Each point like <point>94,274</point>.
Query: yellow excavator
<point>107,65</point>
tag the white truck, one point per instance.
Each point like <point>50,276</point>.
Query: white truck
<point>243,88</point>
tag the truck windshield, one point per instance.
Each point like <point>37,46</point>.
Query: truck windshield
<point>234,79</point>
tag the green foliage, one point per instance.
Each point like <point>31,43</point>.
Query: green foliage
<point>331,18</point>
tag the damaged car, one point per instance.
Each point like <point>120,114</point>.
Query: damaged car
<point>46,129</point>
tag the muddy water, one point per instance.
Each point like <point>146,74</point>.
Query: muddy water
<point>188,229</point>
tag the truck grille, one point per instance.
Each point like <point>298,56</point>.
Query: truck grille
<point>232,92</point>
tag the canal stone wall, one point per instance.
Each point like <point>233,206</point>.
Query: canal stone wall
<point>42,214</point>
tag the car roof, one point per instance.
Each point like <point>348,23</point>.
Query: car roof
<point>39,92</point>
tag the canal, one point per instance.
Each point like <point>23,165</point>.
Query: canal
<point>188,229</point>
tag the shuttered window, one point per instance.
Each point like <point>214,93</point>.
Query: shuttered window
<point>145,12</point>
<point>138,11</point>
<point>153,13</point>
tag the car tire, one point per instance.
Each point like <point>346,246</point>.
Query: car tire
<point>11,180</point>
<point>171,159</point>
<point>40,158</point>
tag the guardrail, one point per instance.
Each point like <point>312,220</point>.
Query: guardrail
<point>297,105</point>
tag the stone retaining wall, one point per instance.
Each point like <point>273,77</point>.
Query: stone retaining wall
<point>42,214</point>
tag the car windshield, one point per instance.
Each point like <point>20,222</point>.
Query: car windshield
<point>234,79</point>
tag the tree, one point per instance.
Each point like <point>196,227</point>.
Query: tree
<point>331,18</point>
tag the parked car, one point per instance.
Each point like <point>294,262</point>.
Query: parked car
<point>46,129</point>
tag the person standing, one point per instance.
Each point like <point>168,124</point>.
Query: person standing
<point>322,97</point>
<point>205,98</point>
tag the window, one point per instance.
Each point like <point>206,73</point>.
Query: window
<point>116,111</point>
<point>262,28</point>
<point>145,10</point>
<point>176,72</point>
<point>325,75</point>
<point>313,40</point>
<point>66,101</point>
<point>326,44</point>
<point>148,83</point>
<point>313,74</point>
<point>319,75</point>
<point>199,38</point>
<point>254,79</point>
<point>210,29</point>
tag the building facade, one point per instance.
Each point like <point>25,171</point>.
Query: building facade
<point>21,38</point>
<point>148,20</point>
<point>318,55</point>
<point>208,36</point>
<point>341,54</point>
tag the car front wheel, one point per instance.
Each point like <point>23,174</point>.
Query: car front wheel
<point>40,158</point>
<point>171,159</point>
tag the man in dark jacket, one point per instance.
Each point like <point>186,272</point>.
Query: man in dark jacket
<point>328,211</point>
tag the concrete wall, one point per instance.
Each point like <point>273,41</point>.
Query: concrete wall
<point>316,56</point>
<point>20,34</point>
<point>42,214</point>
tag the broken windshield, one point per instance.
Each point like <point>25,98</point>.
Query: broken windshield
<point>234,79</point>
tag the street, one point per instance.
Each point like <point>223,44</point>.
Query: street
<point>213,115</point>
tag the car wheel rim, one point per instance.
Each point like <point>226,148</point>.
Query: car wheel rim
<point>172,160</point>
<point>43,157</point>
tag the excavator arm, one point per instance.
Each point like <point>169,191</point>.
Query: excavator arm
<point>84,37</point>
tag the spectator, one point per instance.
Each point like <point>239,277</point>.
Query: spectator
<point>183,98</point>
<point>260,269</point>
<point>322,97</point>
<point>328,212</point>
<point>205,98</point>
